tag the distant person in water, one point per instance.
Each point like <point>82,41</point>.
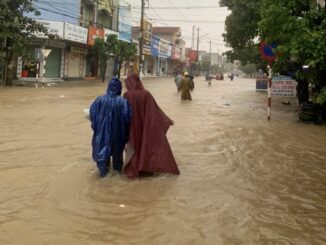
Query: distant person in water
<point>148,144</point>
<point>177,80</point>
<point>186,85</point>
<point>110,117</point>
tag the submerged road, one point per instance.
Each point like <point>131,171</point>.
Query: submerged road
<point>243,180</point>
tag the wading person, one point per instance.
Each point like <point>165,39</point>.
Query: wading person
<point>147,139</point>
<point>186,85</point>
<point>177,80</point>
<point>110,117</point>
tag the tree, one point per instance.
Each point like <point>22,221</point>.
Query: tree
<point>102,54</point>
<point>241,30</point>
<point>112,47</point>
<point>16,32</point>
<point>204,64</point>
<point>297,26</point>
<point>120,50</point>
<point>126,50</point>
<point>299,29</point>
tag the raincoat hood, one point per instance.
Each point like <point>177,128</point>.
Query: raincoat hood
<point>133,83</point>
<point>114,87</point>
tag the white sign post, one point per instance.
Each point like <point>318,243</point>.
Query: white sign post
<point>45,54</point>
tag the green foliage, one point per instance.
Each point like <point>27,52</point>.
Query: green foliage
<point>241,29</point>
<point>16,29</point>
<point>114,48</point>
<point>321,98</point>
<point>204,64</point>
<point>297,26</point>
<point>248,68</point>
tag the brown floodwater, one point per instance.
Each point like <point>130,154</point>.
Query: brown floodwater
<point>243,180</point>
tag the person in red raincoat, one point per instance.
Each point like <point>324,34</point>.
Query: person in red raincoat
<point>147,138</point>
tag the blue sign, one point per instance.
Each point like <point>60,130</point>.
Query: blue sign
<point>155,46</point>
<point>125,23</point>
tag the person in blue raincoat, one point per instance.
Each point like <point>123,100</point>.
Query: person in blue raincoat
<point>110,117</point>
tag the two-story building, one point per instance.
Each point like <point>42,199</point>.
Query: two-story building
<point>74,25</point>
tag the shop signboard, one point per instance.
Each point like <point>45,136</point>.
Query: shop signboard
<point>108,32</point>
<point>165,48</point>
<point>93,33</point>
<point>155,46</point>
<point>176,53</point>
<point>284,86</point>
<point>125,23</point>
<point>261,82</point>
<point>54,28</point>
<point>75,33</point>
<point>147,38</point>
<point>78,50</point>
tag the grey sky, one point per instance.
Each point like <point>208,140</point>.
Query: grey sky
<point>205,14</point>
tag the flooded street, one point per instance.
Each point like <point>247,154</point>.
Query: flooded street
<point>243,180</point>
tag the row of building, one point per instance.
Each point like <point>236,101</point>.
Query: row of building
<point>77,23</point>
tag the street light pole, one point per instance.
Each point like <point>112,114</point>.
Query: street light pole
<point>210,56</point>
<point>141,40</point>
<point>197,62</point>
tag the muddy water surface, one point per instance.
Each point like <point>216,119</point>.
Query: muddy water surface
<point>243,180</point>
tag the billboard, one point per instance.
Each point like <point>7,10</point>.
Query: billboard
<point>164,49</point>
<point>125,23</point>
<point>261,82</point>
<point>147,37</point>
<point>53,27</point>
<point>284,86</point>
<point>93,33</point>
<point>154,46</point>
<point>176,53</point>
<point>75,33</point>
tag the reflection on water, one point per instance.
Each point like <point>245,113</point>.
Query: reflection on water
<point>243,180</point>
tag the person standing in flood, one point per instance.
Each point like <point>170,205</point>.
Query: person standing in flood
<point>110,117</point>
<point>151,151</point>
<point>186,85</point>
<point>177,80</point>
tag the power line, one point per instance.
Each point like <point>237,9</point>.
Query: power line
<point>190,7</point>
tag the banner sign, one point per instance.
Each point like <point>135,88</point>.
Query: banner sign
<point>164,49</point>
<point>110,32</point>
<point>155,46</point>
<point>284,86</point>
<point>53,27</point>
<point>78,50</point>
<point>75,33</point>
<point>147,37</point>
<point>176,53</point>
<point>261,82</point>
<point>125,23</point>
<point>93,33</point>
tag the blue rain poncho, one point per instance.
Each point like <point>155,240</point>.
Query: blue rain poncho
<point>110,117</point>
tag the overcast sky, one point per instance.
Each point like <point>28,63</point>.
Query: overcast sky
<point>205,14</point>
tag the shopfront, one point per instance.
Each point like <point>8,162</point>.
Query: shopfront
<point>76,51</point>
<point>92,66</point>
<point>164,57</point>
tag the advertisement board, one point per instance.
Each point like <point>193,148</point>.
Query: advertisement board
<point>125,23</point>
<point>261,82</point>
<point>284,86</point>
<point>53,27</point>
<point>164,49</point>
<point>176,53</point>
<point>93,33</point>
<point>147,38</point>
<point>154,46</point>
<point>75,33</point>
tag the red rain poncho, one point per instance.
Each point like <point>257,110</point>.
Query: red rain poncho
<point>149,125</point>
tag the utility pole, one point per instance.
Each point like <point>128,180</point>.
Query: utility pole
<point>197,60</point>
<point>141,40</point>
<point>210,56</point>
